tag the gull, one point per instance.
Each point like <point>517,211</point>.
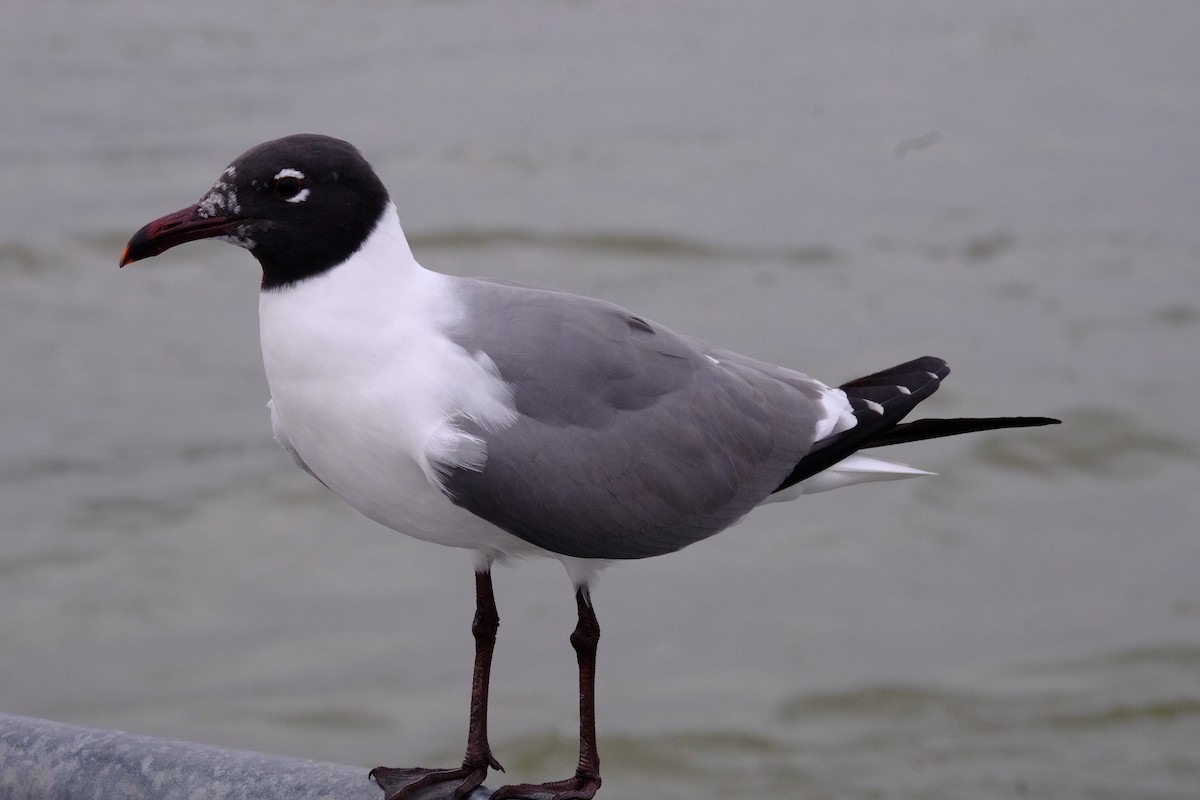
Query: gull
<point>513,420</point>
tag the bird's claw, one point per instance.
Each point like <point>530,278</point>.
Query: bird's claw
<point>422,783</point>
<point>580,787</point>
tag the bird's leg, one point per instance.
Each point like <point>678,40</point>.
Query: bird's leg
<point>585,782</point>
<point>400,783</point>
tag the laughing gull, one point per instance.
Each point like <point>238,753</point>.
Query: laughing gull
<point>514,420</point>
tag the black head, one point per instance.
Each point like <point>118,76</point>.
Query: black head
<point>301,205</point>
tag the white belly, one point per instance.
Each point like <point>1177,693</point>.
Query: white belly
<point>359,454</point>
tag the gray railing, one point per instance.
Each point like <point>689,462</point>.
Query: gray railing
<point>43,760</point>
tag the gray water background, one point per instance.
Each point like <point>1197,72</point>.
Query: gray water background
<point>835,187</point>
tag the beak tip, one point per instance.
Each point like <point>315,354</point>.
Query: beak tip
<point>185,225</point>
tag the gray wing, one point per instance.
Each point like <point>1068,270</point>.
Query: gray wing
<point>632,441</point>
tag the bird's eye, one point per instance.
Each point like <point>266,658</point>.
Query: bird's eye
<point>287,187</point>
<point>288,184</point>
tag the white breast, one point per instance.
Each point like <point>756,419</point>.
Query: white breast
<point>367,388</point>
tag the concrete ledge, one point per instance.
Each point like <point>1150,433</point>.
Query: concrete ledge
<point>43,760</point>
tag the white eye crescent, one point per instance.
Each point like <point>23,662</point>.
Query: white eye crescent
<point>288,184</point>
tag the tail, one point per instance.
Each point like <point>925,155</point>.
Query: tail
<point>880,401</point>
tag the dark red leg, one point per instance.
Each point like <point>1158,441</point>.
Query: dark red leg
<point>585,782</point>
<point>407,783</point>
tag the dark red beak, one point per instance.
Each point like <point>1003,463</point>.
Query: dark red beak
<point>185,225</point>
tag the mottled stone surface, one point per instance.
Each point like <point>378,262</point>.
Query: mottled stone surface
<point>43,760</point>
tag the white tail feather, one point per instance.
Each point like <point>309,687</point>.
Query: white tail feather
<point>847,472</point>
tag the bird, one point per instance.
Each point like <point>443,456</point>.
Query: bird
<point>512,420</point>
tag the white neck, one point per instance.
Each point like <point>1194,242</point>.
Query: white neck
<point>379,283</point>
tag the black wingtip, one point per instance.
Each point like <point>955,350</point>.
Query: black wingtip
<point>880,400</point>
<point>922,429</point>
